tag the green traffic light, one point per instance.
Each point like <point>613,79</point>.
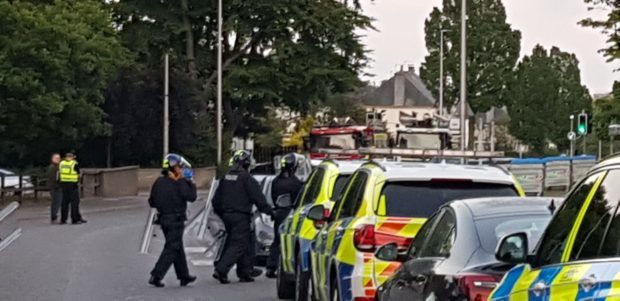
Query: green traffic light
<point>581,129</point>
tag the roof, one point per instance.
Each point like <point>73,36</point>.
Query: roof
<point>613,160</point>
<point>409,171</point>
<point>415,92</point>
<point>490,207</point>
<point>346,167</point>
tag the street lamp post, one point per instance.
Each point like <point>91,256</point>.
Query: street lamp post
<point>463,72</point>
<point>441,77</point>
<point>219,82</point>
<point>572,140</point>
<point>166,104</point>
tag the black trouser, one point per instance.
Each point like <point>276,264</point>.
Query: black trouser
<point>70,197</point>
<point>274,252</point>
<point>56,195</point>
<point>238,245</point>
<point>173,252</point>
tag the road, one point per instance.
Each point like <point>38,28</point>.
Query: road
<point>100,260</point>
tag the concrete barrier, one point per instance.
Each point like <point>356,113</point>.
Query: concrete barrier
<point>557,172</point>
<point>581,166</point>
<point>110,182</point>
<point>202,176</point>
<point>530,174</point>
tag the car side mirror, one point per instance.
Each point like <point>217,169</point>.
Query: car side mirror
<point>388,252</point>
<point>317,214</point>
<point>513,248</point>
<point>284,201</point>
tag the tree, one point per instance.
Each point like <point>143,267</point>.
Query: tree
<point>276,52</point>
<point>606,112</point>
<point>56,60</point>
<point>609,26</point>
<point>492,52</point>
<point>546,91</point>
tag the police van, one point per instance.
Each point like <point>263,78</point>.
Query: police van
<point>578,256</point>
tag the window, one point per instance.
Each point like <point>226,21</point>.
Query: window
<point>442,238</point>
<point>554,240</point>
<point>601,218</point>
<point>341,181</point>
<point>421,199</point>
<point>353,196</point>
<point>422,235</point>
<point>492,229</point>
<point>313,187</point>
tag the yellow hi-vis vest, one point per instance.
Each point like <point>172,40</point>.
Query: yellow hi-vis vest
<point>67,172</point>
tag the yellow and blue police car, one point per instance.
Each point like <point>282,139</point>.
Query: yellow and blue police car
<point>387,203</point>
<point>296,233</point>
<point>578,256</point>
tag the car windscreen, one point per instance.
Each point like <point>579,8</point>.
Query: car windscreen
<point>341,181</point>
<point>492,229</point>
<point>421,199</point>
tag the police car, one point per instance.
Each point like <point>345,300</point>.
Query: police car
<point>385,203</point>
<point>297,232</point>
<point>578,257</point>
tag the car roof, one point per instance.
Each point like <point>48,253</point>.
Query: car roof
<point>345,167</point>
<point>411,171</point>
<point>499,206</point>
<point>613,161</point>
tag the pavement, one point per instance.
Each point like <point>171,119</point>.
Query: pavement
<point>100,260</point>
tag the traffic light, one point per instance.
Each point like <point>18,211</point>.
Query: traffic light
<point>582,124</point>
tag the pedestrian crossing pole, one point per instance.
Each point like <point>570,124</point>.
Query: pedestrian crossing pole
<point>464,139</point>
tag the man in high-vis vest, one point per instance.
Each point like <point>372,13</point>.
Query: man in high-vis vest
<point>69,175</point>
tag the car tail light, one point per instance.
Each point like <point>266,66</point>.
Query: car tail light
<point>364,238</point>
<point>477,287</point>
<point>364,299</point>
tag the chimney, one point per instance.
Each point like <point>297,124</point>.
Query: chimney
<point>399,88</point>
<point>411,69</point>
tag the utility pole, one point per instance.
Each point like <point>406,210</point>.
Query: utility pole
<point>166,105</point>
<point>219,82</point>
<point>441,76</point>
<point>463,72</point>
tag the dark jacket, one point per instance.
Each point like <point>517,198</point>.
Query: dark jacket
<point>237,192</point>
<point>170,197</point>
<point>285,184</point>
<point>52,176</point>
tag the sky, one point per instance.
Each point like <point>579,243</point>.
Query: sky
<point>399,39</point>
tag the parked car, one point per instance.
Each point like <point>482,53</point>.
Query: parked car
<point>453,255</point>
<point>385,203</point>
<point>10,181</point>
<point>297,232</point>
<point>578,256</point>
<point>263,224</point>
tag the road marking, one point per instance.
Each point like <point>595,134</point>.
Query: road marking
<point>195,250</point>
<point>202,262</point>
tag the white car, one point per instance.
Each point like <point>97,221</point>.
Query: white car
<point>10,180</point>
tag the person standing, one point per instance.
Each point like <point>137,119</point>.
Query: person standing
<point>54,187</point>
<point>286,183</point>
<point>169,195</point>
<point>69,175</point>
<point>234,198</point>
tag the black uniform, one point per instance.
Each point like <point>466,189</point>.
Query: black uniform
<point>283,184</point>
<point>170,198</point>
<point>236,194</point>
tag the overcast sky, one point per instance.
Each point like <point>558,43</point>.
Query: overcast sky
<point>400,36</point>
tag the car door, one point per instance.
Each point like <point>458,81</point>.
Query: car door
<point>329,238</point>
<point>415,278</point>
<point>291,223</point>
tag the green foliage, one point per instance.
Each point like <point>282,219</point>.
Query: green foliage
<point>275,52</point>
<point>606,112</point>
<point>55,62</point>
<point>546,91</point>
<point>609,26</point>
<point>492,52</point>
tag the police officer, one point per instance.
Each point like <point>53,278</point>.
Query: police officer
<point>169,195</point>
<point>234,198</point>
<point>69,176</point>
<point>286,183</point>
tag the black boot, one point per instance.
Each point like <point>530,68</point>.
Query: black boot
<point>246,279</point>
<point>188,280</point>
<point>156,282</point>
<point>271,273</point>
<point>223,279</point>
<point>255,272</point>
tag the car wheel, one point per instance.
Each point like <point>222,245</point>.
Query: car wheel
<point>286,289</point>
<point>303,286</point>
